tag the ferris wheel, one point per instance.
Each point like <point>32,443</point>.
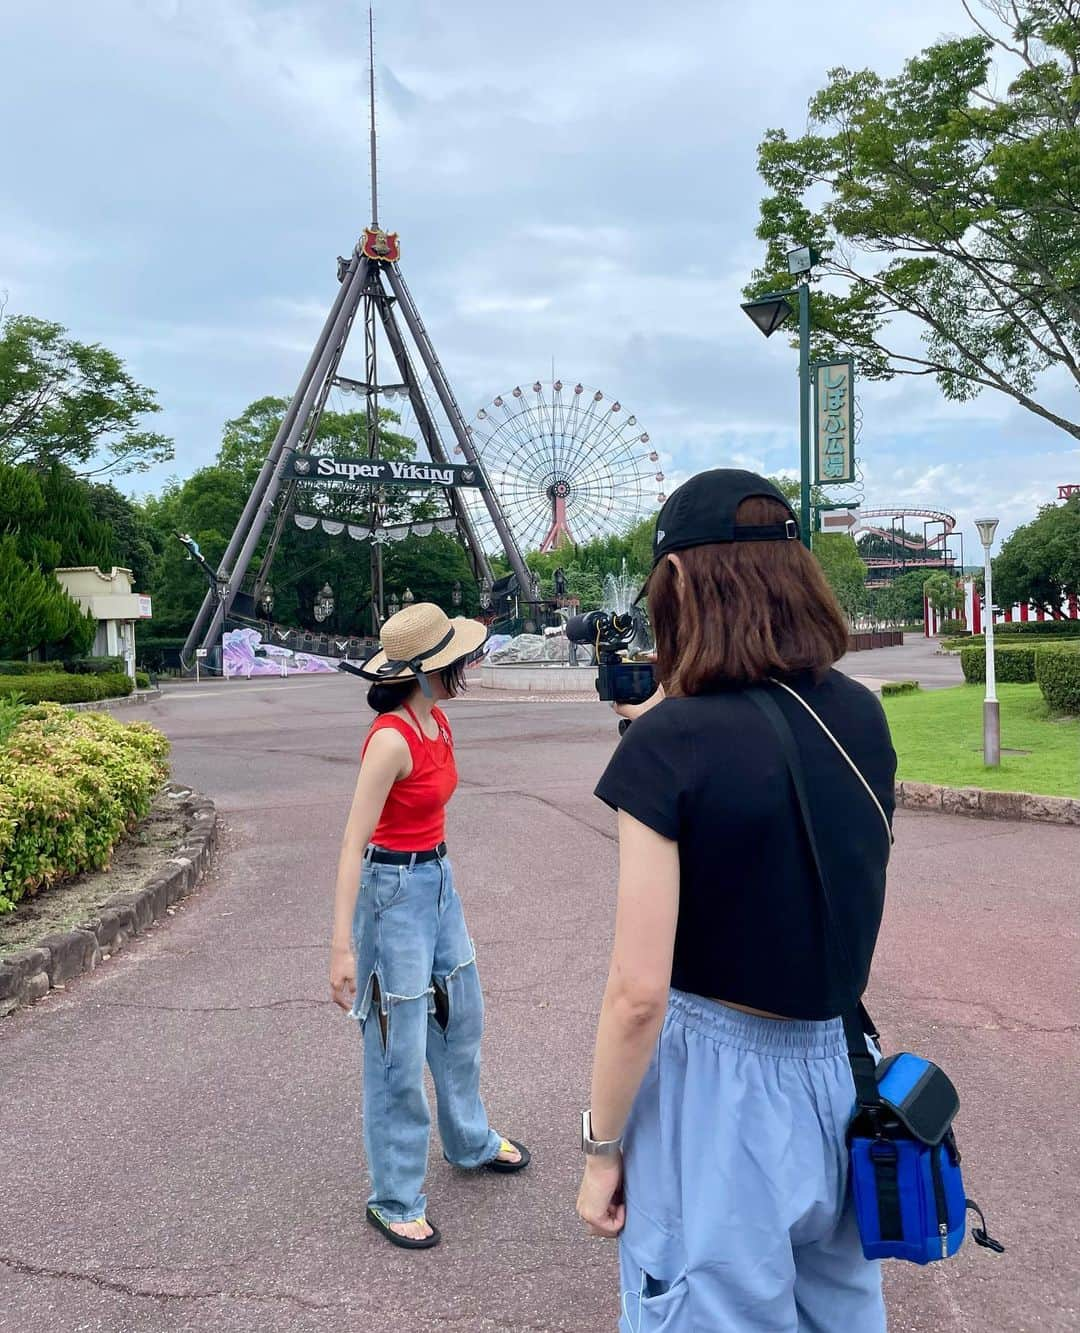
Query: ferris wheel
<point>566,463</point>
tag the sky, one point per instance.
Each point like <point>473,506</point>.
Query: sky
<point>571,183</point>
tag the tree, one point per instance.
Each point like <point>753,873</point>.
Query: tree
<point>35,612</point>
<point>943,593</point>
<point>71,403</point>
<point>905,605</point>
<point>1040,562</point>
<point>939,196</point>
<point>843,567</point>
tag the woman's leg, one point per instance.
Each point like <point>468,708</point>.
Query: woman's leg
<point>733,1180</point>
<point>454,1030</point>
<point>397,929</point>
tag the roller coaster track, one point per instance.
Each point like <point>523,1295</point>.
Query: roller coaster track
<point>919,548</point>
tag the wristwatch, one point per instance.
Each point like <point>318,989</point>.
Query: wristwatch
<point>593,1147</point>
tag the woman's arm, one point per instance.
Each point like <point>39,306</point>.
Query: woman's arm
<point>385,761</point>
<point>635,1001</point>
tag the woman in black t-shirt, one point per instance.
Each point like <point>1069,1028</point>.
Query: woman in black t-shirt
<point>721,1085</point>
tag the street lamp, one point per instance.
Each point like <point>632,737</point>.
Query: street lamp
<point>392,604</point>
<point>266,602</point>
<point>324,603</point>
<point>407,597</point>
<point>768,313</point>
<point>455,593</point>
<point>485,594</point>
<point>991,711</point>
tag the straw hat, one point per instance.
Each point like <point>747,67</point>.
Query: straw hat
<point>422,638</point>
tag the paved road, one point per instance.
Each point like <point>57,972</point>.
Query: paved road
<point>181,1137</point>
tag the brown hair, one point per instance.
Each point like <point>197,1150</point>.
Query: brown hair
<point>748,610</point>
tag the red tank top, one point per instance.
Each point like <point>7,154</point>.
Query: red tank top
<point>414,816</point>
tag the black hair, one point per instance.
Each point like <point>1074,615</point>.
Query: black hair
<point>385,696</point>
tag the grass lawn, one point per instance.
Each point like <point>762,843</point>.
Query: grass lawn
<point>938,738</point>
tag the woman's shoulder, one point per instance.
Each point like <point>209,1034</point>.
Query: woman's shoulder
<point>394,730</point>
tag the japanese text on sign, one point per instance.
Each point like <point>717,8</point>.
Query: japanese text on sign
<point>834,422</point>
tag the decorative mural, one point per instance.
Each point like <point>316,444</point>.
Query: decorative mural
<point>244,654</point>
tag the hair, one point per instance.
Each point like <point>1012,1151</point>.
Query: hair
<point>748,610</point>
<point>385,696</point>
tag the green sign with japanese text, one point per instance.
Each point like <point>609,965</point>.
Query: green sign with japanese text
<point>834,422</point>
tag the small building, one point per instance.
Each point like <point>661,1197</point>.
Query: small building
<point>116,608</point>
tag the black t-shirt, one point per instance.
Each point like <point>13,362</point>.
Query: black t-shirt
<point>708,772</point>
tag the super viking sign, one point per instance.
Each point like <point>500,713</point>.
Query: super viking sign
<point>386,472</point>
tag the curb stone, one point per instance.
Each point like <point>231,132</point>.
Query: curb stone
<point>61,956</point>
<point>983,804</point>
<point>132,700</point>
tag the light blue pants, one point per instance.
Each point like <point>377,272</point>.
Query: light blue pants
<point>738,1218</point>
<point>417,998</point>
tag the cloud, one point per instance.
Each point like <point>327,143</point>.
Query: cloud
<point>575,183</point>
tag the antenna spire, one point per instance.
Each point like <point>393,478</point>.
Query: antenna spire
<point>371,77</point>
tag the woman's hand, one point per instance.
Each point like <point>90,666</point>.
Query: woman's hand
<point>342,976</point>
<point>632,711</point>
<point>600,1200</point>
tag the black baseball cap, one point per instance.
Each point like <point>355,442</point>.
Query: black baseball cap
<point>702,512</point>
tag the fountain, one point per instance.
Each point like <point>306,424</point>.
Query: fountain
<point>548,663</point>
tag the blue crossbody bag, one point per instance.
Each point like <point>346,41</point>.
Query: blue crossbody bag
<point>904,1175</point>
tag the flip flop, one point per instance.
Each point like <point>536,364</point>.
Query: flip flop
<point>508,1168</point>
<point>404,1242</point>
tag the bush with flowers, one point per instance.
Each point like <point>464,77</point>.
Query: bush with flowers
<point>71,785</point>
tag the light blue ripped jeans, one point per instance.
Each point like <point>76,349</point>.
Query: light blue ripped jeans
<point>738,1218</point>
<point>417,998</point>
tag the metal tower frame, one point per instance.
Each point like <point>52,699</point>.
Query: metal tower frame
<point>370,280</point>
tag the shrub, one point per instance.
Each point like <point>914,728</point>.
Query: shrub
<point>158,652</point>
<point>948,627</point>
<point>11,712</point>
<point>93,666</point>
<point>1057,670</point>
<point>28,668</point>
<point>142,680</point>
<point>1039,629</point>
<point>1013,662</point>
<point>70,785</point>
<point>65,689</point>
<point>899,687</point>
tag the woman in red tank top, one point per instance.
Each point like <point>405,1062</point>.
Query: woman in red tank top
<point>401,960</point>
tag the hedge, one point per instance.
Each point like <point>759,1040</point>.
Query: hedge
<point>890,687</point>
<point>1013,662</point>
<point>93,666</point>
<point>65,689</point>
<point>1045,629</point>
<point>28,668</point>
<point>157,652</point>
<point>1057,670</point>
<point>142,680</point>
<point>949,627</point>
<point>71,784</point>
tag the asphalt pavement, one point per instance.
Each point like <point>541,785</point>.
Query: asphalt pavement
<point>181,1129</point>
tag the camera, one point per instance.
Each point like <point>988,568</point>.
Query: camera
<point>610,635</point>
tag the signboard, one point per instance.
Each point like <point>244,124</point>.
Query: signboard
<point>834,422</point>
<point>202,652</point>
<point>385,472</point>
<point>841,522</point>
<point>146,607</point>
<point>1067,492</point>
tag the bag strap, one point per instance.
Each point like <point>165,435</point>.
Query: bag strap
<point>857,1022</point>
<point>850,762</point>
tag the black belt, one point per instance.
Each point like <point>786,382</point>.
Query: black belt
<point>385,857</point>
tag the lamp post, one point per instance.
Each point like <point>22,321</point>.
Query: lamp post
<point>485,594</point>
<point>455,593</point>
<point>324,603</point>
<point>991,711</point>
<point>407,597</point>
<point>769,312</point>
<point>392,604</point>
<point>266,605</point>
